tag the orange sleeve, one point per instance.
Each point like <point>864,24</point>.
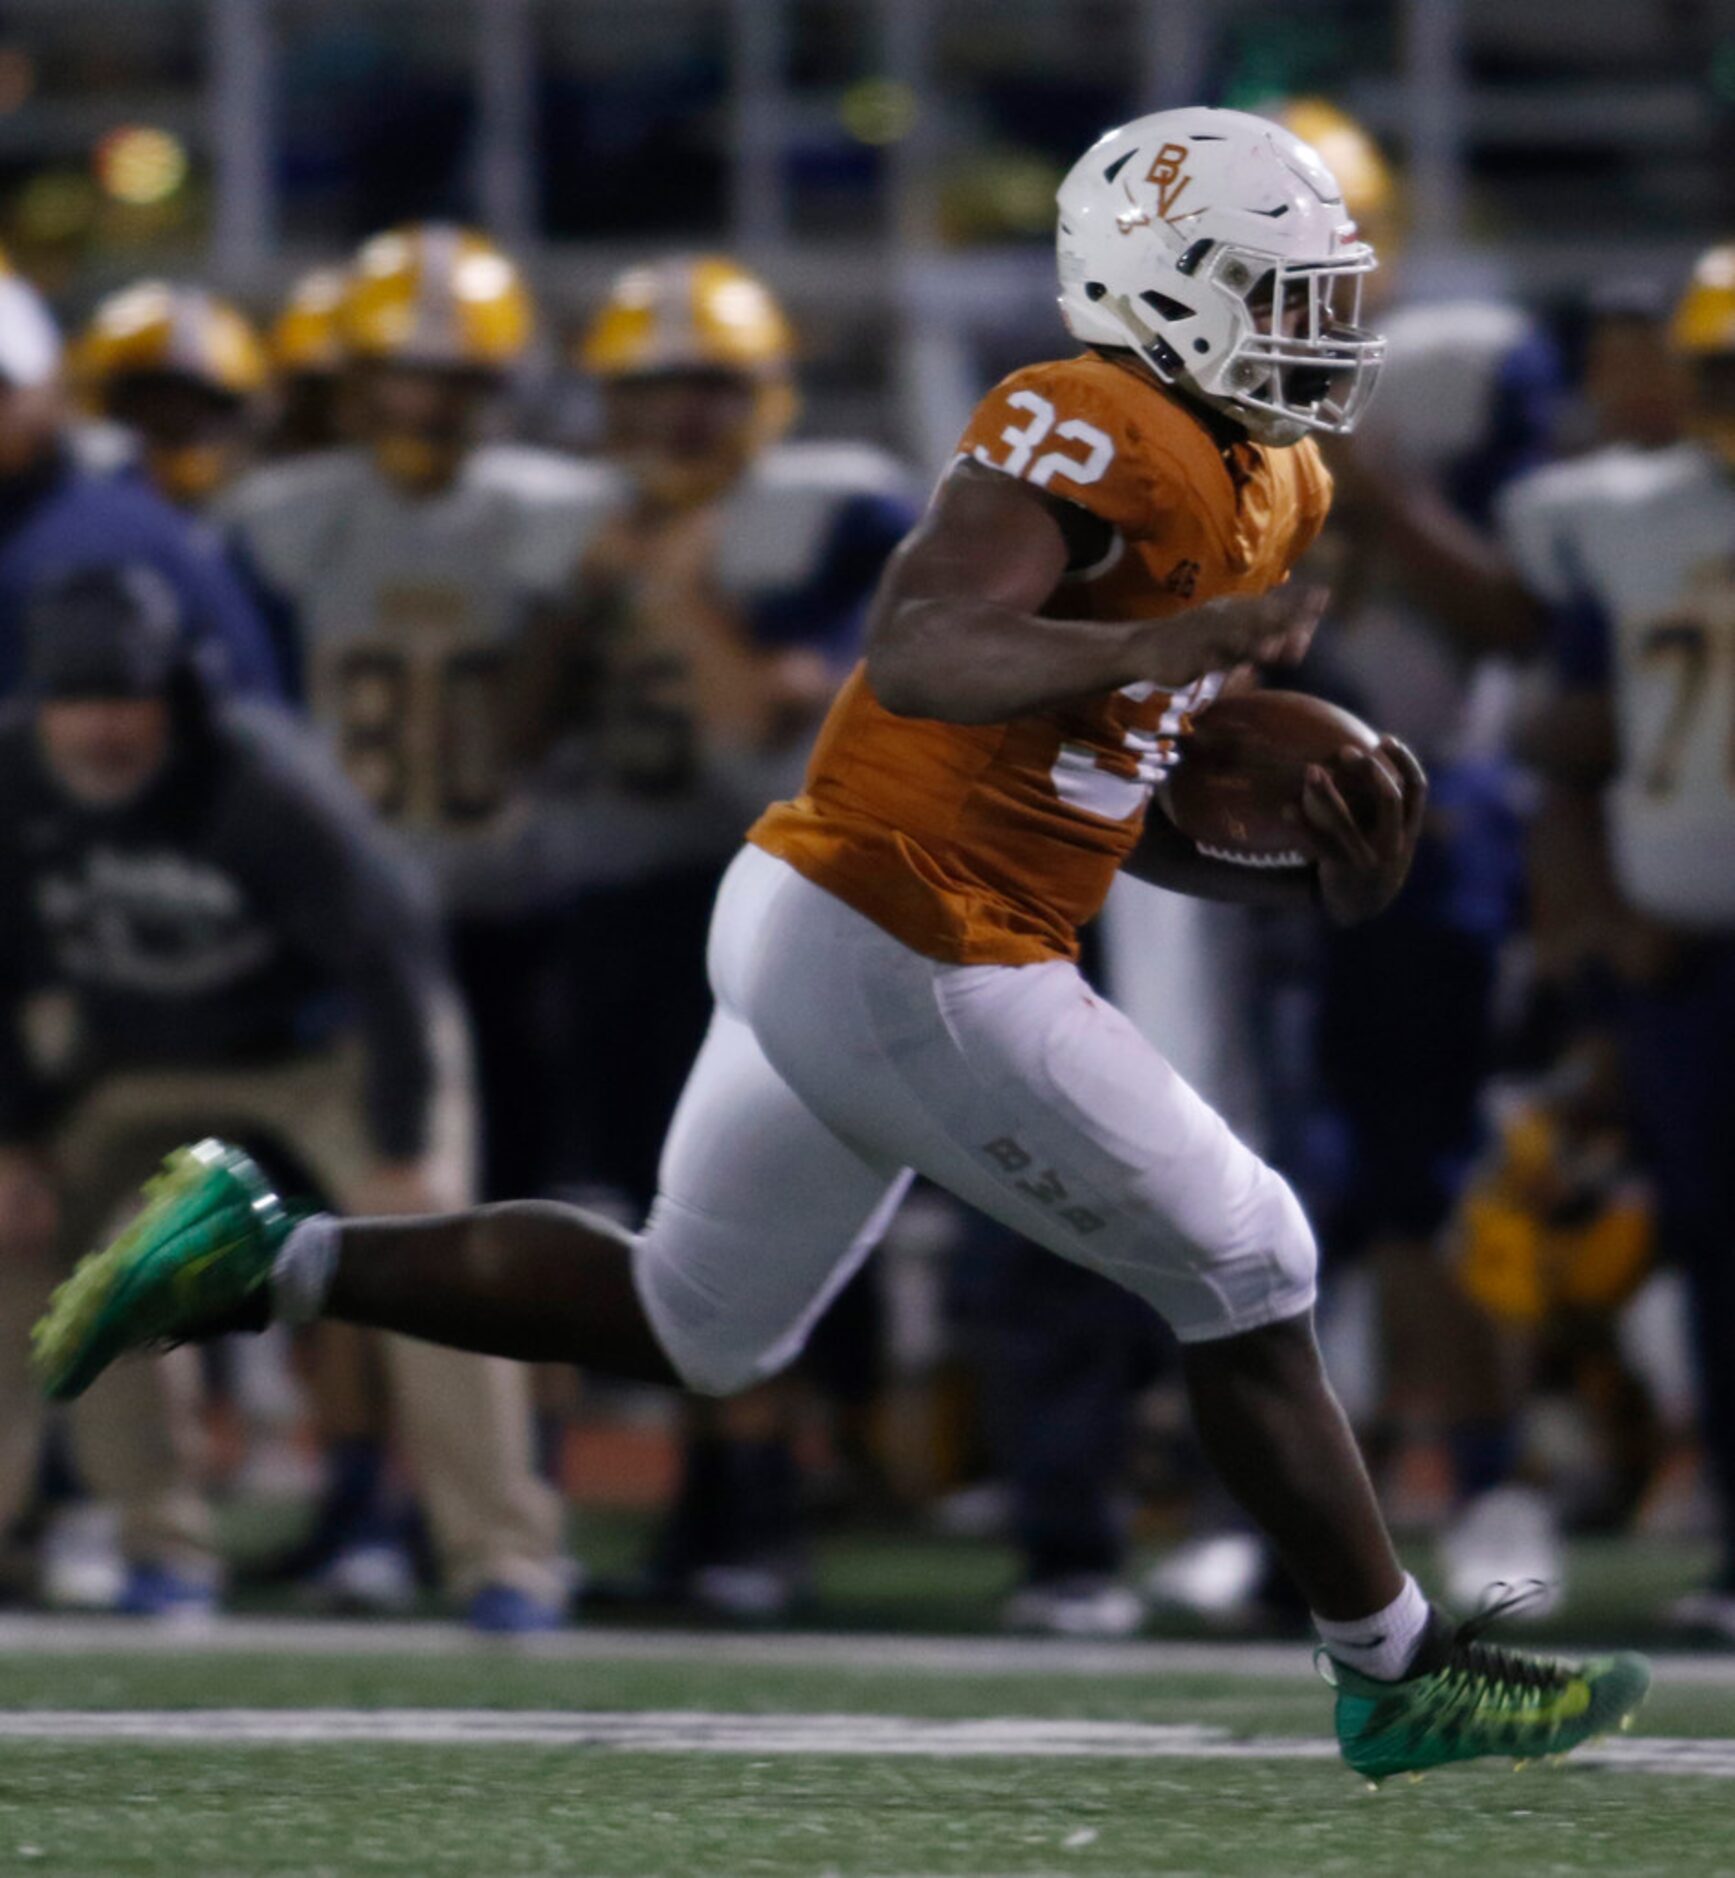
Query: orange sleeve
<point>1068,427</point>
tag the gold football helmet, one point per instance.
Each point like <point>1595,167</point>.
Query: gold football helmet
<point>684,323</point>
<point>1704,320</point>
<point>434,295</point>
<point>157,330</point>
<point>450,316</point>
<point>1702,334</point>
<point>306,336</point>
<point>181,368</point>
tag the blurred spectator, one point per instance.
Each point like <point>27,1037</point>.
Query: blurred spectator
<point>713,612</point>
<point>182,374</point>
<point>1635,385</point>
<point>1630,549</point>
<point>56,515</point>
<point>200,930</point>
<point>1060,1355</point>
<point>1425,615</point>
<point>1424,618</point>
<point>1554,1236</point>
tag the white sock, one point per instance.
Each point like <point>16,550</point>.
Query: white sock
<point>301,1272</point>
<point>1382,1645</point>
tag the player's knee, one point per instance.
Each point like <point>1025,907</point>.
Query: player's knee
<point>713,1348</point>
<point>714,1372</point>
<point>1295,1251</point>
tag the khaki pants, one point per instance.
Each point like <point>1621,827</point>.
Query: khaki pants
<point>464,1421</point>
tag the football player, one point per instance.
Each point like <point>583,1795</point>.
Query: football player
<point>715,611</point>
<point>405,566</point>
<point>1631,549</point>
<point>305,347</point>
<point>182,371</point>
<point>66,511</point>
<point>408,565</point>
<point>893,950</point>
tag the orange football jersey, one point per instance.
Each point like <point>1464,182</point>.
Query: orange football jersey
<point>992,844</point>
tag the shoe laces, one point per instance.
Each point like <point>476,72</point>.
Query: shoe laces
<point>1516,1672</point>
<point>1473,1666</point>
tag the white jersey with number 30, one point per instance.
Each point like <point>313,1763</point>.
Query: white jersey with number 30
<point>1637,550</point>
<point>407,611</point>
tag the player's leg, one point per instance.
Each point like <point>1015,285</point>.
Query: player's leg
<point>1272,1426</point>
<point>1037,1101</point>
<point>1030,1097</point>
<point>764,1214</point>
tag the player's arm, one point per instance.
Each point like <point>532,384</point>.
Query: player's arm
<point>1363,863</point>
<point>956,632</point>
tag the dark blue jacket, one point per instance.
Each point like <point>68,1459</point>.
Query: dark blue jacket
<point>61,517</point>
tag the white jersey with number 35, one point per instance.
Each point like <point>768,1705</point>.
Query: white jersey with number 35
<point>1636,549</point>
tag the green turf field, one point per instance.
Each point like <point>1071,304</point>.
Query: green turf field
<point>276,1748</point>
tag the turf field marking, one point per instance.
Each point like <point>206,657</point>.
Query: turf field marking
<point>704,1732</point>
<point>988,1656</point>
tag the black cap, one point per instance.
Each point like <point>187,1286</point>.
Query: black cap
<point>104,632</point>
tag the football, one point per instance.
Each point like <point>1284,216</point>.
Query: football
<point>1236,791</point>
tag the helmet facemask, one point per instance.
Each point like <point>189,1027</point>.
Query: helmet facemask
<point>1275,343</point>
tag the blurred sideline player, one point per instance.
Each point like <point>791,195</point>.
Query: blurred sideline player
<point>1631,551</point>
<point>305,347</point>
<point>181,372</point>
<point>1636,383</point>
<point>64,513</point>
<point>893,952</point>
<point>1424,609</point>
<point>717,605</point>
<point>409,564</point>
<point>404,566</point>
<point>1554,1237</point>
<point>196,922</point>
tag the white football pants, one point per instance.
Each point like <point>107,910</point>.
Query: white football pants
<point>839,1062</point>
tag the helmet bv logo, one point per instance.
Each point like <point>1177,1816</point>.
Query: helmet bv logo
<point>1165,172</point>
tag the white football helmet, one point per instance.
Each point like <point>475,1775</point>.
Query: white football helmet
<point>1217,246</point>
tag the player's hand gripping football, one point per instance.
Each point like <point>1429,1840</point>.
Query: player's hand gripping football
<point>1273,628</point>
<point>1365,860</point>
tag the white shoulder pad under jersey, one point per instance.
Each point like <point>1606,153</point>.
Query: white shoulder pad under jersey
<point>1439,386</point>
<point>1635,551</point>
<point>280,515</point>
<point>796,506</point>
<point>304,523</point>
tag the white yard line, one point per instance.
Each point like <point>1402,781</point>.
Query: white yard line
<point>984,1656</point>
<point>702,1732</point>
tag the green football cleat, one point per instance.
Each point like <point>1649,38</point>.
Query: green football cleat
<point>1469,1699</point>
<point>203,1243</point>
